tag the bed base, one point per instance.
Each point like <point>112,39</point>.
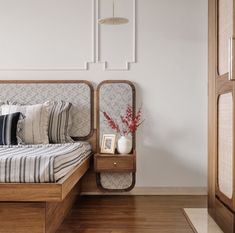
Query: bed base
<point>39,208</point>
<point>35,217</point>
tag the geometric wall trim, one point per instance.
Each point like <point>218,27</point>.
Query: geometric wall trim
<point>50,39</point>
<point>47,35</point>
<point>129,29</point>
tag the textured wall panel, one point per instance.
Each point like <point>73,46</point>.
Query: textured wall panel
<point>79,94</point>
<point>114,98</point>
<point>225,144</point>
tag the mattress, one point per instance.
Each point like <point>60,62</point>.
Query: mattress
<point>40,163</point>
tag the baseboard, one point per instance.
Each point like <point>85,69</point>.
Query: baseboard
<point>157,191</point>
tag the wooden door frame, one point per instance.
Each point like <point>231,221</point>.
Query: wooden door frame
<point>212,123</point>
<point>217,85</point>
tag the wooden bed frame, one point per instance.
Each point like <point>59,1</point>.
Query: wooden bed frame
<point>41,207</point>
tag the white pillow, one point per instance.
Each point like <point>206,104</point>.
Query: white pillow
<point>33,129</point>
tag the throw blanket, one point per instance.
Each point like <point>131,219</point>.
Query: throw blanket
<point>40,163</point>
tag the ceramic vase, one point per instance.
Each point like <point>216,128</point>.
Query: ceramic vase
<point>124,145</point>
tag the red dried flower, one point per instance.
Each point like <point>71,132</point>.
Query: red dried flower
<point>111,122</point>
<point>130,121</point>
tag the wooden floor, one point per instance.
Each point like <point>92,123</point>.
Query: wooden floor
<point>130,214</point>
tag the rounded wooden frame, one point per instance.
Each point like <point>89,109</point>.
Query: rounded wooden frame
<point>222,86</point>
<point>98,178</point>
<point>220,207</point>
<point>89,84</point>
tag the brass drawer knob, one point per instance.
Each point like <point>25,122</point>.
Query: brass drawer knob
<point>115,164</point>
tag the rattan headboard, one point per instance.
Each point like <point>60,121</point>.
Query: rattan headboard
<point>80,93</point>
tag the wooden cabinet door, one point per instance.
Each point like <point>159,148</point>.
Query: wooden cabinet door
<point>225,103</point>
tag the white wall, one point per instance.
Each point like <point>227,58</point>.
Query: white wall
<point>171,81</point>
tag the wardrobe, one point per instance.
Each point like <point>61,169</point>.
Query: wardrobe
<point>221,114</point>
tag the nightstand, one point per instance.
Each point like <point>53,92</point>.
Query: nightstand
<point>114,172</point>
<point>115,162</point>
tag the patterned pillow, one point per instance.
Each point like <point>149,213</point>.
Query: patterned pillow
<point>60,122</point>
<point>33,129</point>
<point>8,128</point>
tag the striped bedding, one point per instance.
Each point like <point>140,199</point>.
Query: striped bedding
<point>40,163</point>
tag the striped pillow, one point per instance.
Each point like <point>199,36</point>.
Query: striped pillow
<point>33,129</point>
<point>8,128</point>
<point>60,122</point>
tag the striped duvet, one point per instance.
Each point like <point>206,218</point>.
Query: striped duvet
<point>40,163</point>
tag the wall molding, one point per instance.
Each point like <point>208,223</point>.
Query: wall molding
<point>95,54</point>
<point>157,191</point>
<point>86,63</point>
<point>105,63</point>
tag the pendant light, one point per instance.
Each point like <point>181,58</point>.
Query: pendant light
<point>113,20</point>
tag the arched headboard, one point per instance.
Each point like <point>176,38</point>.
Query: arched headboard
<point>79,92</point>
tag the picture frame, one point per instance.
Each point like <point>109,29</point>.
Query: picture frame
<point>108,144</point>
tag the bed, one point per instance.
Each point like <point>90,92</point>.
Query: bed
<point>38,203</point>
<point>42,163</point>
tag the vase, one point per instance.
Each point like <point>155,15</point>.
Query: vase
<point>124,145</point>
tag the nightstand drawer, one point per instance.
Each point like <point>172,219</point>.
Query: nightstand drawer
<point>114,163</point>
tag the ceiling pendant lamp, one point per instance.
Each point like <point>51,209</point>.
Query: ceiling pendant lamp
<point>113,20</point>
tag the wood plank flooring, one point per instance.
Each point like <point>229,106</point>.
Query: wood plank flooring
<point>131,214</point>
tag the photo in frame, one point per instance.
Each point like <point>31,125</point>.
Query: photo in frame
<point>108,144</point>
